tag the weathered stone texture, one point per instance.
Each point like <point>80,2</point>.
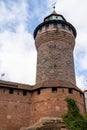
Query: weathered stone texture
<point>22,110</point>
<point>52,103</point>
<point>14,109</point>
<point>55,56</point>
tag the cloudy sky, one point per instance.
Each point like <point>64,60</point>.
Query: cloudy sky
<point>18,19</point>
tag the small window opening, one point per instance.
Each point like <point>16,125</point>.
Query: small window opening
<point>38,91</point>
<point>63,127</point>
<point>24,93</point>
<point>51,25</point>
<point>54,89</point>
<point>55,25</point>
<point>47,26</point>
<point>54,46</point>
<point>63,26</point>
<point>70,90</point>
<point>55,66</point>
<point>11,90</point>
<point>40,29</point>
<point>70,29</point>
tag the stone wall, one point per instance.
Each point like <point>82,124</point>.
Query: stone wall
<point>15,106</point>
<point>20,107</point>
<point>51,102</point>
<point>55,55</point>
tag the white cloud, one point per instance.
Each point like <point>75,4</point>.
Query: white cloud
<point>18,56</point>
<point>81,81</point>
<point>17,50</point>
<point>12,13</point>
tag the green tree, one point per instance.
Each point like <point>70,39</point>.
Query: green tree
<point>73,119</point>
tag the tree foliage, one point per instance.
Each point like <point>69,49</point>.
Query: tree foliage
<point>73,119</point>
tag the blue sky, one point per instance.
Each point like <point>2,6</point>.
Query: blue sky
<point>18,19</point>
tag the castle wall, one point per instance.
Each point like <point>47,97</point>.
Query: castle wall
<point>24,107</point>
<point>50,102</point>
<point>15,106</point>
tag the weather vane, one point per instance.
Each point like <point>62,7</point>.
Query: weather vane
<point>54,6</point>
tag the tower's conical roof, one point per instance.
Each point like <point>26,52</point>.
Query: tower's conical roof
<point>54,16</point>
<point>54,12</point>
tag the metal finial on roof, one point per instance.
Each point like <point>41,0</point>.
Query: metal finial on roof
<point>54,6</point>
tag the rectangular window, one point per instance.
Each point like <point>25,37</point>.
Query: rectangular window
<point>54,89</point>
<point>24,92</point>
<point>38,91</point>
<point>11,90</point>
<point>47,26</point>
<point>70,90</point>
<point>55,25</point>
<point>63,26</point>
<point>40,29</point>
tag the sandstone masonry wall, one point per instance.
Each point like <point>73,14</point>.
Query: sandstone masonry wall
<point>23,107</point>
<point>55,55</point>
<point>15,107</point>
<point>50,102</point>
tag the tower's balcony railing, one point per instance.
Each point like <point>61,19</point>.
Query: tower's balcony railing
<point>47,27</point>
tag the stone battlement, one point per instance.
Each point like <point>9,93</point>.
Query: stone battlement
<point>23,105</point>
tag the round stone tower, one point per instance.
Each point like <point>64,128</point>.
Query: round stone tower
<point>55,80</point>
<point>55,40</point>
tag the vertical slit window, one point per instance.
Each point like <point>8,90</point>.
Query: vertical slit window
<point>63,26</point>
<point>38,91</point>
<point>11,91</point>
<point>47,26</point>
<point>40,29</point>
<point>70,90</point>
<point>55,66</point>
<point>55,25</point>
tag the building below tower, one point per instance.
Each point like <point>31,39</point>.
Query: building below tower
<point>23,105</point>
